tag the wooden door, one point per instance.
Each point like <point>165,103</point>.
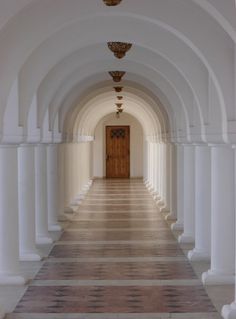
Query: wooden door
<point>117,152</point>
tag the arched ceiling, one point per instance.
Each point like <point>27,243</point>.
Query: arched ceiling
<point>53,52</point>
<point>104,104</point>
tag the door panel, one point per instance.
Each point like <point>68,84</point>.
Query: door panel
<point>117,151</point>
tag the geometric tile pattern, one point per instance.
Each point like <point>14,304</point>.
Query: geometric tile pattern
<point>119,224</point>
<point>131,299</point>
<point>117,250</point>
<point>116,271</point>
<point>117,235</point>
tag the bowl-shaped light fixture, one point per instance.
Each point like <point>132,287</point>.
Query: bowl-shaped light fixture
<point>118,89</point>
<point>117,75</point>
<point>112,3</point>
<point>119,48</point>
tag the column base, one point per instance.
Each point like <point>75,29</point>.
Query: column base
<point>75,202</point>
<point>185,239</point>
<point>62,218</point>
<point>30,257</point>
<point>156,198</point>
<point>198,255</point>
<point>229,311</point>
<point>54,227</point>
<point>213,278</point>
<point>170,216</point>
<point>177,226</point>
<point>8,280</point>
<point>44,240</point>
<point>160,203</point>
<point>68,210</point>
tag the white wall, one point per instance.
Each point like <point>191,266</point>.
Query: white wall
<point>136,145</point>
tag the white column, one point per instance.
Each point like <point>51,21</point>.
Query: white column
<point>26,182</point>
<point>154,170</point>
<point>229,311</point>
<point>41,200</point>
<point>173,184</point>
<point>159,169</point>
<point>188,235</point>
<point>202,250</point>
<point>161,172</point>
<point>52,183</point>
<point>161,202</point>
<point>151,167</point>
<point>222,217</point>
<point>9,233</point>
<point>145,161</point>
<point>179,224</point>
<point>61,168</point>
<point>156,167</point>
<point>167,177</point>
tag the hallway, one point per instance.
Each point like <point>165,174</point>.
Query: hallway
<point>117,258</point>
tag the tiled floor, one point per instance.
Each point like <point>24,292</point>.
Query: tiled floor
<point>117,258</point>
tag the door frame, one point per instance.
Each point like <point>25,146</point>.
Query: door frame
<point>129,159</point>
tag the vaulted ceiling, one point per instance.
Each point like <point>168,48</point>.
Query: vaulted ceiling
<point>180,73</point>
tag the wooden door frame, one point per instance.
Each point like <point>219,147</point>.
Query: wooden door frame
<point>118,126</point>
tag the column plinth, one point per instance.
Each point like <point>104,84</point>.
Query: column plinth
<point>229,311</point>
<point>198,255</point>
<point>185,239</point>
<point>177,226</point>
<point>214,277</point>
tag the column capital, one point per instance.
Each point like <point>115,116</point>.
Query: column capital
<point>9,145</point>
<point>27,145</point>
<point>223,145</point>
<point>201,144</point>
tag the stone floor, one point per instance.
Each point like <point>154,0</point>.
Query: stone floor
<point>117,258</point>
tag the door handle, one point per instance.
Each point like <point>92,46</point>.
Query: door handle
<point>107,157</point>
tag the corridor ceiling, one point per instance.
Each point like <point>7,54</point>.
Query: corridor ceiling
<point>180,78</point>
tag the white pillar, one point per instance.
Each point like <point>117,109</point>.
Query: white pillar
<point>173,184</point>
<point>178,225</point>
<point>145,161</point>
<point>159,169</point>
<point>167,177</point>
<point>41,200</point>
<point>202,250</point>
<point>27,224</point>
<point>61,168</point>
<point>155,170</point>
<point>9,233</point>
<point>52,183</point>
<point>188,235</point>
<point>229,311</point>
<point>222,217</point>
<point>162,200</point>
